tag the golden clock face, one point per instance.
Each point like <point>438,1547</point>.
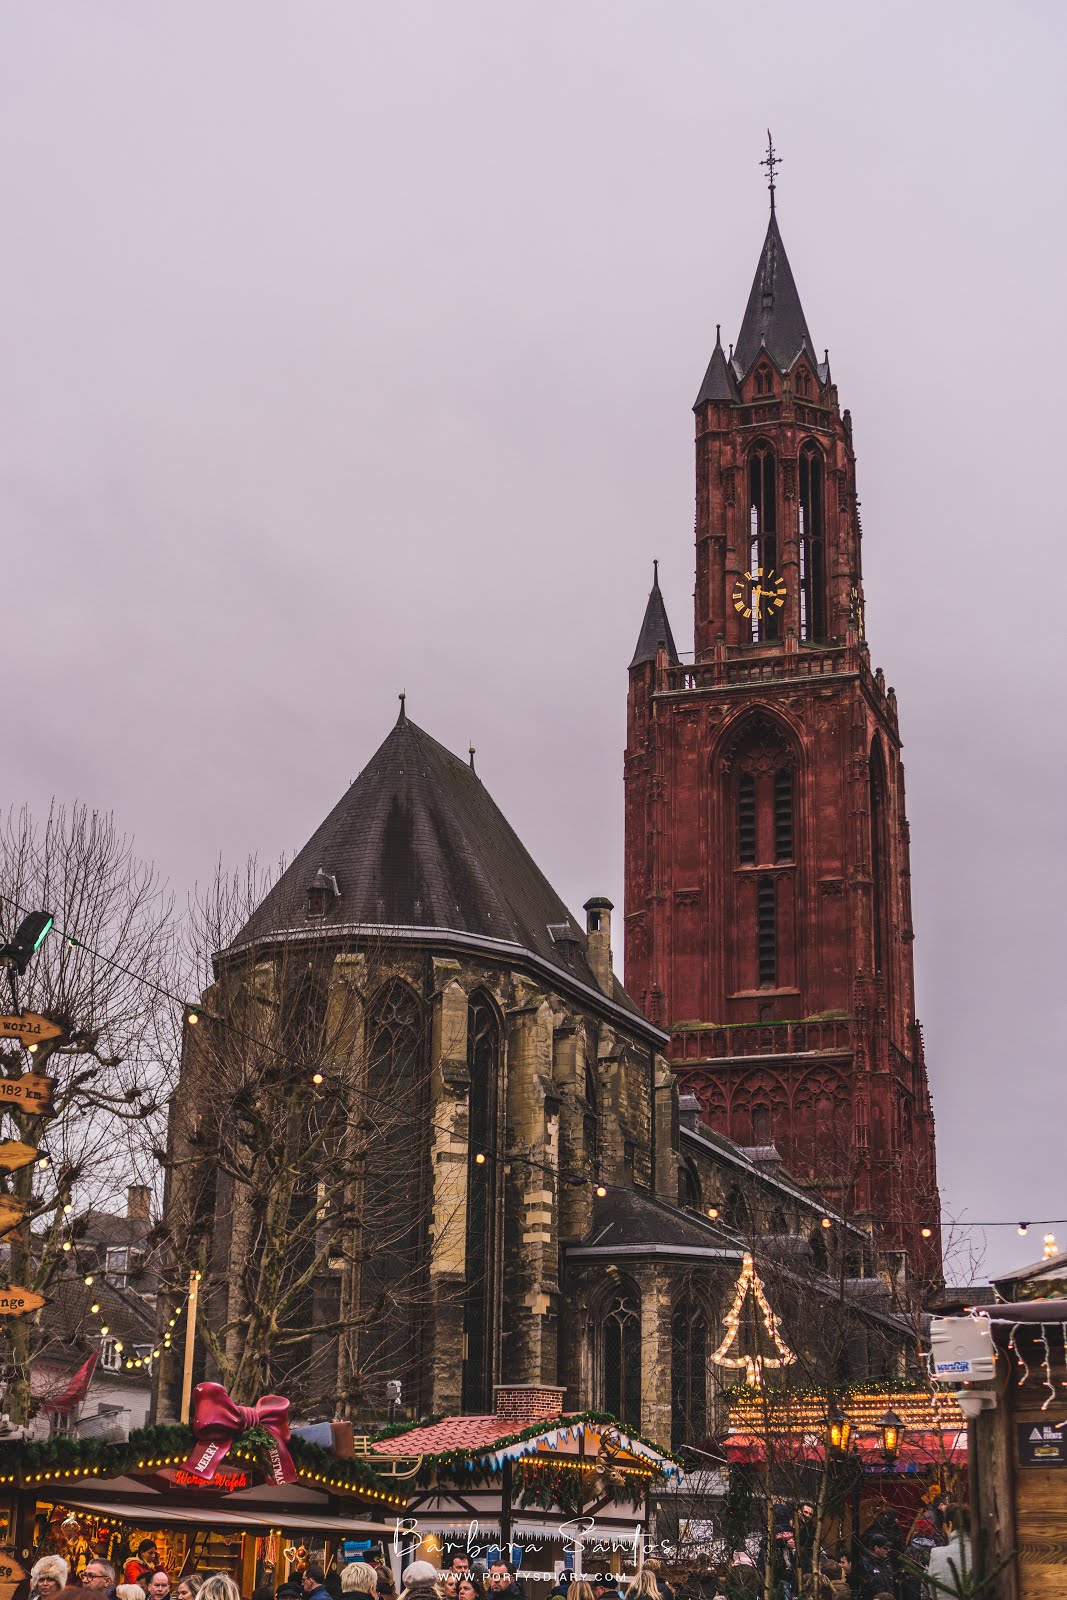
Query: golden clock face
<point>762,592</point>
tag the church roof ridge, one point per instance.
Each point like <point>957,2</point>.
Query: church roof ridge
<point>417,842</point>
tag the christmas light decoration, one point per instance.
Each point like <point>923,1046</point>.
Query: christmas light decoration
<point>750,1283</point>
<point>1050,1246</point>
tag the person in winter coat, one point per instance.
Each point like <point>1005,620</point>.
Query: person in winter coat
<point>47,1577</point>
<point>313,1583</point>
<point>876,1575</point>
<point>420,1582</point>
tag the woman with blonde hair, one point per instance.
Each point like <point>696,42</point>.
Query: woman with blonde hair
<point>218,1586</point>
<point>580,1590</point>
<point>129,1591</point>
<point>644,1586</point>
<point>359,1577</point>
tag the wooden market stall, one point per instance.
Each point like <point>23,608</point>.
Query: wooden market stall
<point>81,1498</point>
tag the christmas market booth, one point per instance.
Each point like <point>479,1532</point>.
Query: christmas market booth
<point>871,1444</point>
<point>237,1495</point>
<point>562,1490</point>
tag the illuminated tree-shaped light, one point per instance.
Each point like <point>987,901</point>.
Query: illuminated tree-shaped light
<point>749,1283</point>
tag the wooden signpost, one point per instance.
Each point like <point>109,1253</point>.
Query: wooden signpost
<point>31,1092</point>
<point>14,1154</point>
<point>11,1575</point>
<point>29,1027</point>
<point>15,1301</point>
<point>12,1212</point>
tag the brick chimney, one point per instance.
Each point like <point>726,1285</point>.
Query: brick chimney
<point>598,940</point>
<point>526,1403</point>
<point>139,1203</point>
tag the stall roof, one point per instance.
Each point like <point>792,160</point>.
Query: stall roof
<point>157,1513</point>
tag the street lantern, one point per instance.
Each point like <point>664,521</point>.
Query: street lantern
<point>840,1430</point>
<point>892,1429</point>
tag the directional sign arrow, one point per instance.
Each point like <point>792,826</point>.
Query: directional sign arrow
<point>28,1026</point>
<point>11,1575</point>
<point>13,1155</point>
<point>31,1092</point>
<point>12,1212</point>
<point>16,1301</point>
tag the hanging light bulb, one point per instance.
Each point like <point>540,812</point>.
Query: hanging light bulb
<point>926,1233</point>
<point>316,1077</point>
<point>1023,1226</point>
<point>600,1191</point>
<point>67,1245</point>
<point>67,1209</point>
<point>480,1158</point>
<point>1050,1246</point>
<point>827,1222</point>
<point>88,1278</point>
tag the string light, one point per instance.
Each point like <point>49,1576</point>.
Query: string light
<point>713,1213</point>
<point>480,1158</point>
<point>750,1283</point>
<point>827,1222</point>
<point>316,1077</point>
<point>1050,1246</point>
<point>1023,1226</point>
<point>600,1191</point>
<point>926,1233</point>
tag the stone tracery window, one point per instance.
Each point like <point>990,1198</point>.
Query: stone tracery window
<point>620,1356</point>
<point>689,1374</point>
<point>481,1286</point>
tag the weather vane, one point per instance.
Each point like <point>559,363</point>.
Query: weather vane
<point>770,161</point>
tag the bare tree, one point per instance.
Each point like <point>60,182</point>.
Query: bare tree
<point>103,978</point>
<point>298,1157</point>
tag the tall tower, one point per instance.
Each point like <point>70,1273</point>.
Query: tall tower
<point>768,903</point>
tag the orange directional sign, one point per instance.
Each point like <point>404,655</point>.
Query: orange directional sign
<point>31,1092</point>
<point>13,1155</point>
<point>15,1301</point>
<point>29,1027</point>
<point>11,1575</point>
<point>12,1212</point>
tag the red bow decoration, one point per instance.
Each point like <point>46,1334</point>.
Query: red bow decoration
<point>218,1423</point>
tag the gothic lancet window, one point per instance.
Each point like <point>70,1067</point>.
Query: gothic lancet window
<point>393,1202</point>
<point>879,861</point>
<point>812,562</point>
<point>689,1375</point>
<point>480,1292</point>
<point>621,1357</point>
<point>783,815</point>
<point>746,819</point>
<point>766,933</point>
<point>763,538</point>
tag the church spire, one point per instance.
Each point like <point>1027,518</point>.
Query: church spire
<point>655,629</point>
<point>774,317</point>
<point>719,382</point>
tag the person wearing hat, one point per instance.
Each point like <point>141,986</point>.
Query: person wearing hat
<point>876,1574</point>
<point>420,1582</point>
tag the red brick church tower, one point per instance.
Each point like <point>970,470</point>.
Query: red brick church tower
<point>768,904</point>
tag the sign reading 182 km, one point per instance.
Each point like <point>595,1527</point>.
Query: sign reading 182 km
<point>31,1092</point>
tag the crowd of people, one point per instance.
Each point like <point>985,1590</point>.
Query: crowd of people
<point>884,1563</point>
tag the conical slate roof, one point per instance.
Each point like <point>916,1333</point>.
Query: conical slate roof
<point>719,382</point>
<point>774,316</point>
<point>417,842</point>
<point>655,629</point>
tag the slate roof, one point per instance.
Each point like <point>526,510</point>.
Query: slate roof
<point>774,316</point>
<point>632,1218</point>
<point>719,382</point>
<point>655,629</point>
<point>416,842</point>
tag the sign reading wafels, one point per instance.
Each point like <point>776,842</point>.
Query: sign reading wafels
<point>31,1092</point>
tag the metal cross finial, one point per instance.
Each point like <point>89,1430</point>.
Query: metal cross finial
<point>771,161</point>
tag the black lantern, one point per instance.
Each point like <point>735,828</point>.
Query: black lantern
<point>839,1431</point>
<point>892,1431</point>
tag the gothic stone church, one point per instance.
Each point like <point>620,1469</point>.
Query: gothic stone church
<point>587,1165</point>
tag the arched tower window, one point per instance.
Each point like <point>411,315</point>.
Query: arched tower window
<point>689,1375</point>
<point>812,560</point>
<point>689,1197</point>
<point>391,1285</point>
<point>620,1364</point>
<point>481,1287</point>
<point>761,775</point>
<point>783,815</point>
<point>762,534</point>
<point>746,819</point>
<point>879,860</point>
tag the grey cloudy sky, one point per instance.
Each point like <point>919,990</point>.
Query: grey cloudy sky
<point>347,348</point>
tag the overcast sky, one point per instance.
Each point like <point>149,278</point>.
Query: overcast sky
<point>347,348</point>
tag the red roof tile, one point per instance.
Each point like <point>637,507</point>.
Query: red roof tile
<point>451,1433</point>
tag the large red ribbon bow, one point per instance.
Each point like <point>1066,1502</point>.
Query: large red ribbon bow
<point>218,1423</point>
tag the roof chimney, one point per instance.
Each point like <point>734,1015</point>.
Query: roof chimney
<point>526,1403</point>
<point>139,1203</point>
<point>598,941</point>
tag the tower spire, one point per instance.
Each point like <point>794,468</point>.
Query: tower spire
<point>771,161</point>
